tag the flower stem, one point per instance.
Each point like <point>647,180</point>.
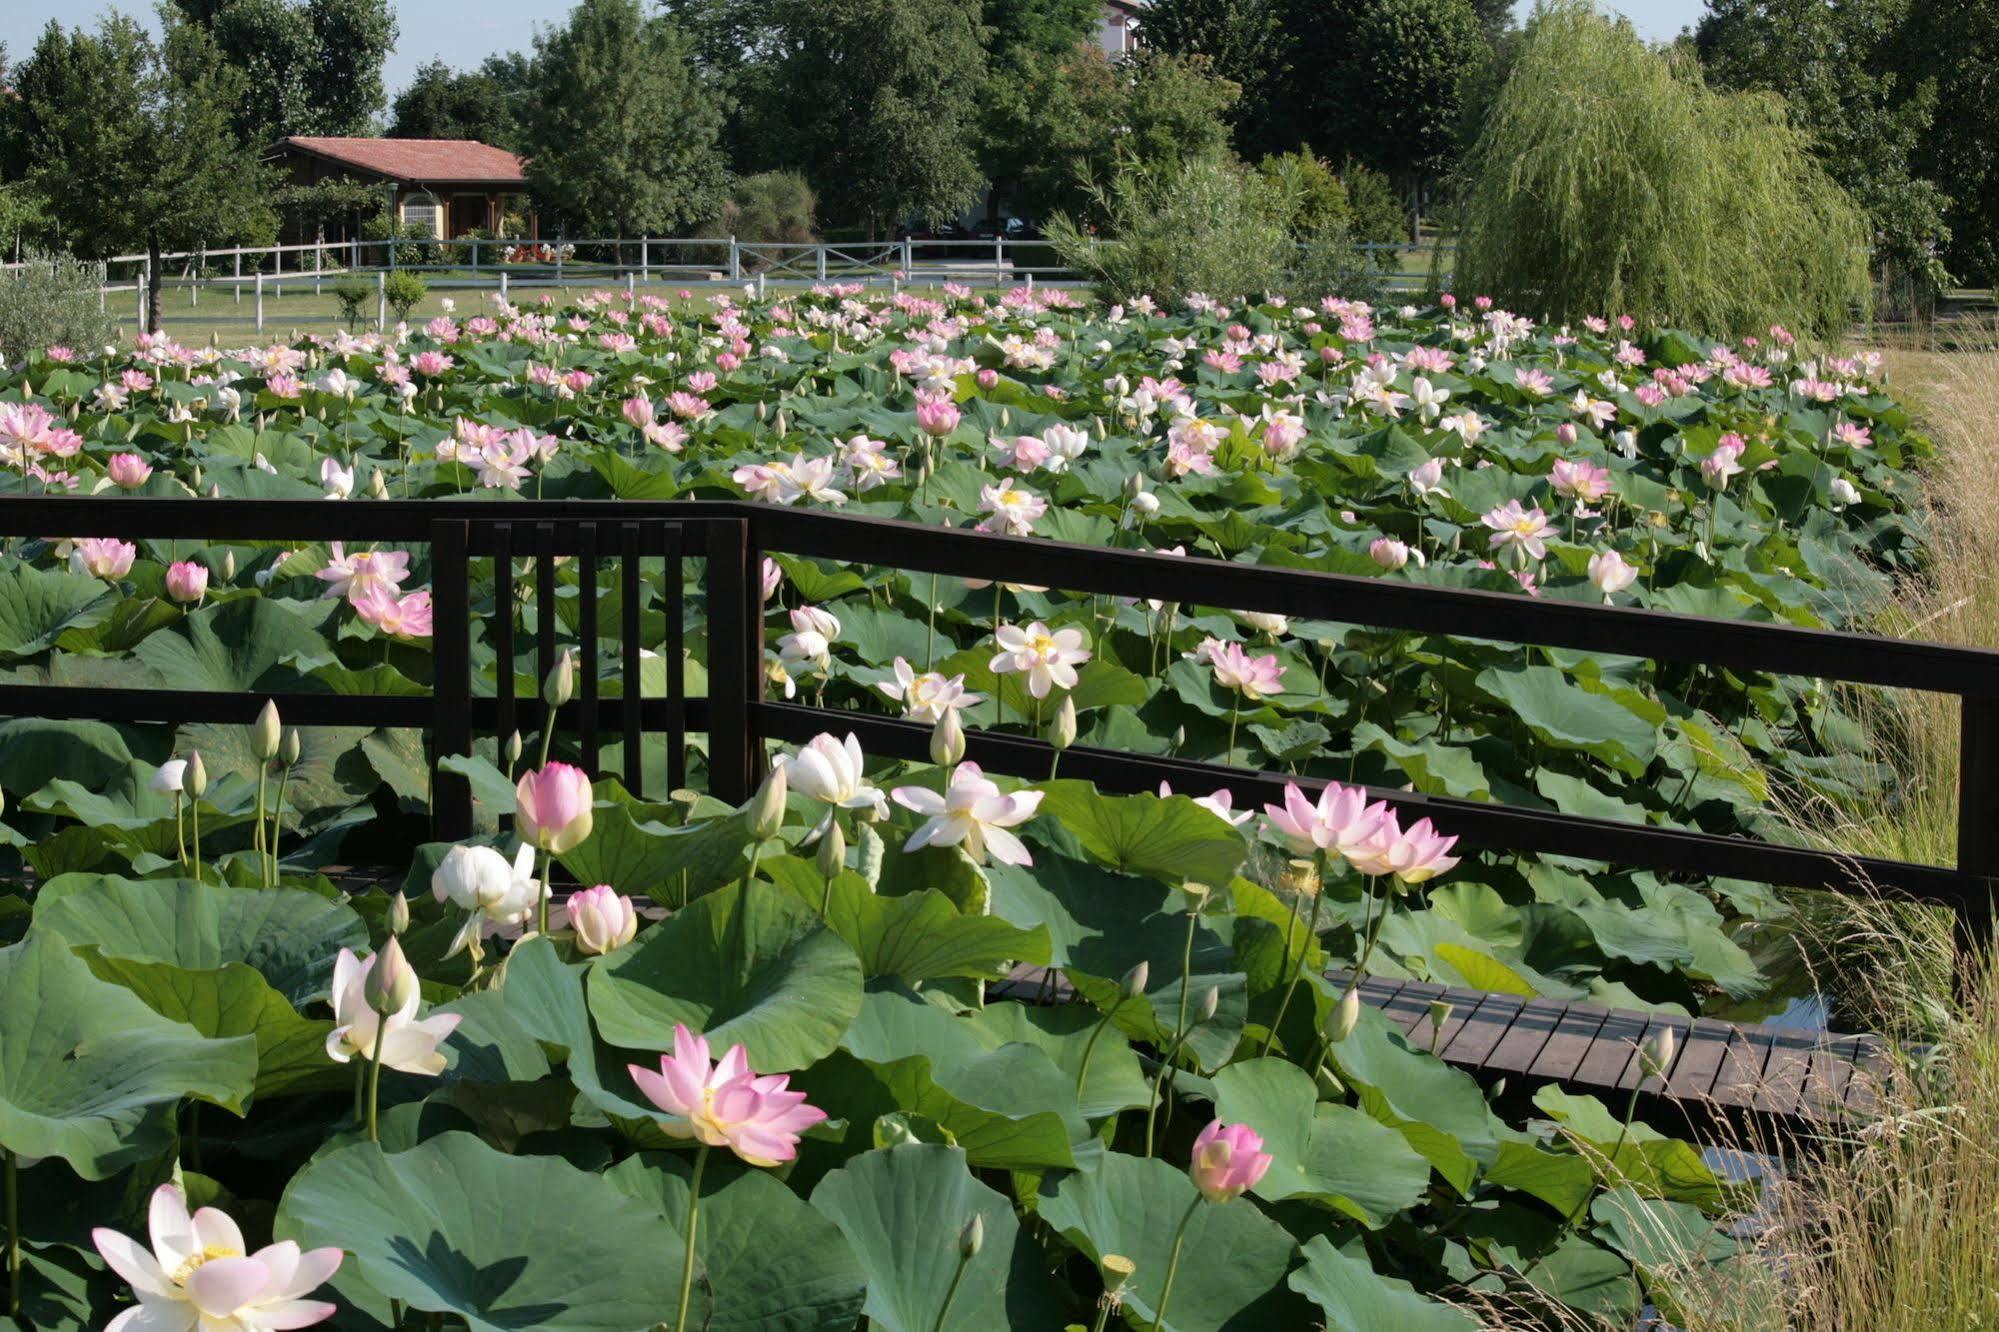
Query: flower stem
<point>1298,973</point>
<point>278,820</point>
<point>693,1218</point>
<point>930,661</point>
<point>196,805</point>
<point>13,1236</point>
<point>257,840</point>
<point>1158,1078</point>
<point>375,1078</point>
<point>541,913</point>
<point>1575,1214</point>
<point>1090,1047</point>
<point>180,831</point>
<point>1235,712</point>
<point>951,1291</point>
<point>1290,931</point>
<point>1375,922</point>
<point>1173,1267</point>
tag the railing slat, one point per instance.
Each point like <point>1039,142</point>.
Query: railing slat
<point>586,595</point>
<point>631,588</point>
<point>451,648</point>
<point>676,659</point>
<point>503,628</point>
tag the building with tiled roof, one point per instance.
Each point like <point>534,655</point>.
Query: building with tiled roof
<point>449,186</point>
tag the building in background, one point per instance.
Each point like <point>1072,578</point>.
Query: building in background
<point>1117,29</point>
<point>447,187</point>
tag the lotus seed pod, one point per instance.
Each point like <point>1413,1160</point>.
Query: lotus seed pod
<point>973,1237</point>
<point>1345,1017</point>
<point>1117,1270</point>
<point>196,777</point>
<point>767,807</point>
<point>832,852</point>
<point>947,740</point>
<point>874,852</point>
<point>1440,1013</point>
<point>268,732</point>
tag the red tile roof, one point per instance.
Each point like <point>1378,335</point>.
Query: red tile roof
<point>459,161</point>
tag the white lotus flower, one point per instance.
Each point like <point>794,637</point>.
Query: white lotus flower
<point>408,1043</point>
<point>198,1276</point>
<point>169,778</point>
<point>498,896</point>
<point>972,813</point>
<point>832,772</point>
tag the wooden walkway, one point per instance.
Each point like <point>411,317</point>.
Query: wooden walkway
<point>1773,1073</point>
<point>1744,1072</point>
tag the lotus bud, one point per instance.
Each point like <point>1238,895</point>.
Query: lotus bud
<point>3,802</point>
<point>1135,980</point>
<point>1345,1017</point>
<point>378,485</point>
<point>763,411</point>
<point>972,1238</point>
<point>514,748</point>
<point>1179,738</point>
<point>560,686</point>
<point>947,740</point>
<point>1062,731</point>
<point>196,777</point>
<point>268,732</point>
<point>391,982</point>
<point>781,427</point>
<point>1657,1054</point>
<point>1134,485</point>
<point>399,914</point>
<point>228,566</point>
<point>832,852</point>
<point>767,807</point>
<point>873,853</point>
<point>1209,1003</point>
<point>291,748</point>
<point>197,476</point>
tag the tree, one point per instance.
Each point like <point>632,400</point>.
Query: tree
<point>310,66</point>
<point>443,103</point>
<point>620,132</point>
<point>128,142</point>
<point>1045,28</point>
<point>1960,44</point>
<point>881,98</point>
<point>1839,71</point>
<point>1611,179</point>
<point>1055,132</point>
<point>1247,42</point>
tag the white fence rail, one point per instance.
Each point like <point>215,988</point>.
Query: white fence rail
<point>251,274</point>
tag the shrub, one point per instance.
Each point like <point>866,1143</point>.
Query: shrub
<point>1378,214</point>
<point>1212,226</point>
<point>404,291</point>
<point>52,300</point>
<point>383,227</point>
<point>353,295</point>
<point>769,206</point>
<point>1315,195</point>
<point>1610,178</point>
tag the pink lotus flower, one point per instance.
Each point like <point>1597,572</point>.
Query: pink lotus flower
<point>24,429</point>
<point>927,697</point>
<point>553,807</point>
<point>1219,803</point>
<point>602,919</point>
<point>409,617</point>
<point>1584,481</point>
<point>687,406</point>
<point>102,557</point>
<point>1010,508</point>
<point>638,411</point>
<point>1524,529</point>
<point>1388,552</point>
<point>187,581</point>
<point>352,576</point>
<point>1048,657</point>
<point>1611,574</point>
<point>937,416</point>
<point>431,363</point>
<point>725,1104</point>
<point>1724,462</point>
<point>199,1274</point>
<point>1228,1161</point>
<point>1341,822</point>
<point>1851,435</point>
<point>1412,855</point>
<point>972,813</point>
<point>128,471</point>
<point>1253,677</point>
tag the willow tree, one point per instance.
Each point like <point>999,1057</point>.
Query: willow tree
<point>1609,179</point>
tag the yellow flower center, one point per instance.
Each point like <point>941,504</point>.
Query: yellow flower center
<point>187,1269</point>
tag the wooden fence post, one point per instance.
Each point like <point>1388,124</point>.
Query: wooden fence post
<point>451,690</point>
<point>736,261</point>
<point>645,258</point>
<point>260,301</point>
<point>239,274</point>
<point>1977,822</point>
<point>381,301</point>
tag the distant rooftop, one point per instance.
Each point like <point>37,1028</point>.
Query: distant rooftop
<point>457,161</point>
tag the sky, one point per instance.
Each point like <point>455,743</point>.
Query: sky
<point>464,32</point>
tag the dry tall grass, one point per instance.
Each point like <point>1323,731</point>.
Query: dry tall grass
<point>1891,1223</point>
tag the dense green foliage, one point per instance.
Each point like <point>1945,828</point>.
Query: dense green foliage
<point>309,66</point>
<point>770,206</point>
<point>116,116</point>
<point>620,132</point>
<point>1211,225</point>
<point>1610,177</point>
<point>51,298</point>
<point>442,103</point>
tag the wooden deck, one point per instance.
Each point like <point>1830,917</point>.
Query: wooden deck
<point>1742,1072</point>
<point>1773,1073</point>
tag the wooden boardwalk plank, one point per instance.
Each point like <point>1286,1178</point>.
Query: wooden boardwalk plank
<point>1570,1043</point>
<point>1635,1072</point>
<point>1741,1079</point>
<point>1699,1064</point>
<point>1528,1036</point>
<point>1483,1030</point>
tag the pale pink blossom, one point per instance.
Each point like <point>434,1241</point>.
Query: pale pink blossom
<point>1047,657</point>
<point>1526,530</point>
<point>726,1104</point>
<point>102,557</point>
<point>972,813</point>
<point>553,807</point>
<point>187,581</point>
<point>1228,1161</point>
<point>926,697</point>
<point>1340,822</point>
<point>602,919</point>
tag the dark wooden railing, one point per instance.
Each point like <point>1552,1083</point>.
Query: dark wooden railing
<point>731,538</point>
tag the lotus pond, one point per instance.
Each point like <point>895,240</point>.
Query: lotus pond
<point>621,1061</point>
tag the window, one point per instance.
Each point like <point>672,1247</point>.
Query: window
<point>422,211</point>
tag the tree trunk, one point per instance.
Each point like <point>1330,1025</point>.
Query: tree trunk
<point>152,286</point>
